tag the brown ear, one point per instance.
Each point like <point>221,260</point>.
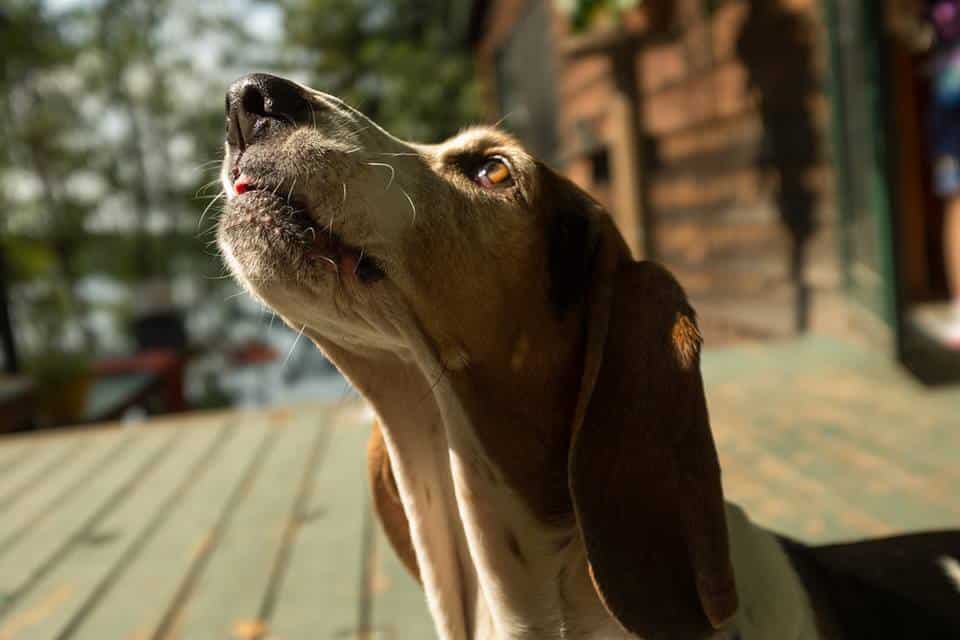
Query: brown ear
<point>644,474</point>
<point>386,500</point>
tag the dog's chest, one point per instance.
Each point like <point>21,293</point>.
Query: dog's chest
<point>519,561</point>
<point>490,569</point>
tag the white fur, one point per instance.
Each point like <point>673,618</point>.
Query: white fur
<point>773,602</point>
<point>951,568</point>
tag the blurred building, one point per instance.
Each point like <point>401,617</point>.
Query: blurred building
<point>768,151</point>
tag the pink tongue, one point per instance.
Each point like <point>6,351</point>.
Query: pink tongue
<point>242,184</point>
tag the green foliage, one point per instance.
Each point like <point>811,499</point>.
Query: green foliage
<point>404,63</point>
<point>27,258</point>
<point>110,109</point>
<point>53,368</point>
<point>584,13</point>
<point>106,114</point>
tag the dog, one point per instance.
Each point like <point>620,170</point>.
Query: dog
<point>542,461</point>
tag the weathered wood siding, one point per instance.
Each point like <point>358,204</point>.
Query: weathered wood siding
<point>736,147</point>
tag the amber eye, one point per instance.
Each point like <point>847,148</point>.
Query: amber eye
<point>494,174</point>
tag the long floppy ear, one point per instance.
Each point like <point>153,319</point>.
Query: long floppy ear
<point>643,470</point>
<point>386,500</point>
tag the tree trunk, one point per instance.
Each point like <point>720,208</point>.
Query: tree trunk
<point>11,362</point>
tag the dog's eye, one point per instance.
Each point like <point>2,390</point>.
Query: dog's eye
<point>494,174</point>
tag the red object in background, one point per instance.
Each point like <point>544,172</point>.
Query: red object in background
<point>168,364</point>
<point>252,353</point>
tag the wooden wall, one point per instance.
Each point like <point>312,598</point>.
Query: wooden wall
<point>734,120</point>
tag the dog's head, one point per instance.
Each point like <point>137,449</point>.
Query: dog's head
<point>497,264</point>
<point>342,228</point>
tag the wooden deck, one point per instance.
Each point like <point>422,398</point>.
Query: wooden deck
<point>235,525</point>
<point>256,525</point>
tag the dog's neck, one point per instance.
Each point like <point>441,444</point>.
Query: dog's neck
<point>480,464</point>
<point>481,475</point>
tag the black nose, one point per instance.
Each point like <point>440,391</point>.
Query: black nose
<point>259,104</point>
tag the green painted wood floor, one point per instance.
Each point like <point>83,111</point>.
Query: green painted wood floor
<point>255,525</point>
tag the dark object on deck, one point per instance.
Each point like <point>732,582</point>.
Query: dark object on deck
<point>160,330</point>
<point>886,589</point>
<point>152,378</point>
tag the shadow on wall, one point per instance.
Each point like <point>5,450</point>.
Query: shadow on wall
<point>776,46</point>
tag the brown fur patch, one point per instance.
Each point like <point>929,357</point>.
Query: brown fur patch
<point>686,340</point>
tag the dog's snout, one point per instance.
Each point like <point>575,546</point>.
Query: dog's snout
<point>259,103</point>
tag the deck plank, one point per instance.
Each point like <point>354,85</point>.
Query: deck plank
<point>36,465</point>
<point>14,452</point>
<point>56,490</point>
<point>80,579</point>
<point>139,599</point>
<point>229,597</point>
<point>320,597</point>
<point>25,564</point>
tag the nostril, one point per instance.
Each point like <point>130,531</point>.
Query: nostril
<point>258,105</point>
<point>252,101</point>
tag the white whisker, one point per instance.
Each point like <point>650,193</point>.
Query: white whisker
<point>204,165</point>
<point>357,266</point>
<point>212,183</point>
<point>293,346</point>
<point>394,155</point>
<point>207,208</point>
<point>501,120</point>
<point>412,206</point>
<point>336,267</point>
<point>393,172</point>
<point>206,231</point>
<point>290,193</point>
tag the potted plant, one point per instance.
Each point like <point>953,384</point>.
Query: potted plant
<point>57,347</point>
<point>62,381</point>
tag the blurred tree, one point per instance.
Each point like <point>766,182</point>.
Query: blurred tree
<point>155,69</point>
<point>401,62</point>
<point>107,112</point>
<point>37,118</point>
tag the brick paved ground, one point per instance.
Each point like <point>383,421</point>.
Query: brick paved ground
<point>825,440</point>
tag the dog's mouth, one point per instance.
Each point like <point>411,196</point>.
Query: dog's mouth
<point>290,220</point>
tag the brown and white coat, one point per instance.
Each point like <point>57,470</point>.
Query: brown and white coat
<point>543,462</point>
